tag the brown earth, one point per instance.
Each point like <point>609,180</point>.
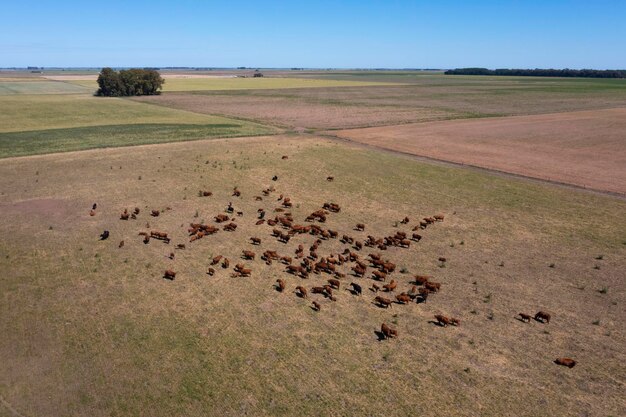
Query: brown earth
<point>585,148</point>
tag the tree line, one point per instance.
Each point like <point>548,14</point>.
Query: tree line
<point>131,82</point>
<point>537,72</point>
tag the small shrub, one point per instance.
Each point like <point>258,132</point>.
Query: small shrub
<point>452,244</point>
<point>501,264</point>
<point>600,257</point>
<point>596,322</point>
<point>466,370</point>
<point>462,242</point>
<point>596,266</point>
<point>139,178</point>
<point>403,270</point>
<point>603,290</point>
<point>551,265</point>
<point>490,316</point>
<point>50,227</point>
<point>474,312</point>
<point>487,298</point>
<point>196,214</point>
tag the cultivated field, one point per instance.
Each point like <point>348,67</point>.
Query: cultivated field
<point>90,328</point>
<point>585,148</point>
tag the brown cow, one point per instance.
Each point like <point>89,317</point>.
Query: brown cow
<point>417,237</point>
<point>570,363</point>
<point>316,306</point>
<point>525,317</point>
<point>169,274</point>
<point>211,271</point>
<point>330,178</point>
<point>380,276</point>
<point>281,285</point>
<point>421,279</point>
<point>334,283</point>
<point>255,240</point>
<point>301,291</point>
<point>438,217</point>
<point>124,216</point>
<point>225,263</point>
<point>443,321</point>
<point>136,211</point>
<point>403,298</point>
<point>383,302</point>
<point>405,220</point>
<point>388,332</point>
<point>375,288</point>
<point>216,259</point>
<point>246,254</point>
<point>318,290</point>
<point>432,286</point>
<point>155,213</point>
<point>360,227</point>
<point>92,213</point>
<point>121,245</point>
<point>455,322</point>
<point>391,286</point>
<point>542,317</point>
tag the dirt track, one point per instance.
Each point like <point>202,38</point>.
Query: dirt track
<point>585,148</point>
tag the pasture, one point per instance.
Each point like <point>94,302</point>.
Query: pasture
<point>94,329</point>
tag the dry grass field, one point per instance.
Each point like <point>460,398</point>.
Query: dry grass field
<point>584,148</point>
<point>93,329</point>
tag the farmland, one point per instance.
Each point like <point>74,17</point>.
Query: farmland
<point>91,328</point>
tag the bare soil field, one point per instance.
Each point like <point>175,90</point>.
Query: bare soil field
<point>586,148</point>
<point>90,328</point>
<point>294,112</point>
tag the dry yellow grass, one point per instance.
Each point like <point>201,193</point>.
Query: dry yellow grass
<point>92,329</point>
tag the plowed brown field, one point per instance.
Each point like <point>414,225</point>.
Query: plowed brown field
<point>584,148</point>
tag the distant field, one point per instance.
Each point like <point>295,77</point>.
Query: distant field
<point>265,83</point>
<point>417,98</point>
<point>35,124</point>
<point>9,87</point>
<point>91,329</point>
<point>586,148</point>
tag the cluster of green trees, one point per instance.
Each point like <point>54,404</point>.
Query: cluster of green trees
<point>588,73</point>
<point>131,82</point>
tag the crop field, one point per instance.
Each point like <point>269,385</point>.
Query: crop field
<point>36,124</point>
<point>584,148</point>
<point>92,327</point>
<point>264,83</point>
<point>132,343</point>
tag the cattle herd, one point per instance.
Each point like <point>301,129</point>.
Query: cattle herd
<point>373,271</point>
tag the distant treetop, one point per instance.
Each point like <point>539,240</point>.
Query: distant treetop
<point>131,82</point>
<point>587,73</point>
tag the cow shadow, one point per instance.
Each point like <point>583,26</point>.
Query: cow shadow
<point>380,335</point>
<point>436,323</point>
<point>353,291</point>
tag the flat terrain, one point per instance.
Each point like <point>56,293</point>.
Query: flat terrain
<point>249,83</point>
<point>93,329</point>
<point>585,148</point>
<point>35,124</point>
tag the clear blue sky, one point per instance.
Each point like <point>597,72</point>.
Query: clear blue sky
<point>338,34</point>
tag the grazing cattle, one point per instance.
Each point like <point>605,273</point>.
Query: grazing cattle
<point>281,285</point>
<point>158,235</point>
<point>388,332</point>
<point>316,306</point>
<point>318,290</point>
<point>230,227</point>
<point>286,260</point>
<point>455,322</point>
<point>424,293</point>
<point>443,321</point>
<point>206,193</point>
<point>92,212</point>
<point>220,218</point>
<point>146,239</point>
<point>124,216</point>
<point>432,286</point>
<point>284,157</point>
<point>104,235</point>
<point>360,227</point>
<point>121,245</point>
<point>380,276</point>
<point>542,317</point>
<point>301,292</point>
<point>255,240</point>
<point>403,298</point>
<point>155,213</point>
<point>133,216</point>
<point>383,302</point>
<point>388,267</point>
<point>171,255</point>
<point>236,192</point>
<point>391,286</point>
<point>375,288</point>
<point>442,259</point>
<point>180,246</point>
<point>169,274</point>
<point>334,283</point>
<point>339,274</point>
<point>246,254</point>
<point>525,317</point>
<point>356,288</point>
<point>260,222</point>
<point>404,221</point>
<point>417,237</point>
<point>438,217</point>
<point>94,206</point>
<point>136,211</point>
<point>570,363</point>
<point>358,271</point>
<point>330,179</point>
<point>211,271</point>
<point>421,279</point>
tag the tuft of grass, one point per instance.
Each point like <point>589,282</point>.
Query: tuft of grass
<point>603,290</point>
<point>596,322</point>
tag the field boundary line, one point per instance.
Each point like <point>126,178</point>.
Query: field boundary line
<point>9,407</point>
<point>478,168</point>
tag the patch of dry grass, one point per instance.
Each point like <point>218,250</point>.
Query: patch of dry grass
<point>91,329</point>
